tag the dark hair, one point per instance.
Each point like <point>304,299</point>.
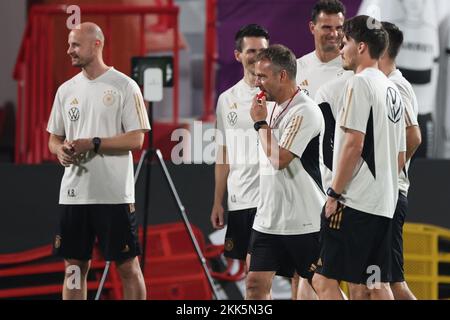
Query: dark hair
<point>395,38</point>
<point>281,57</point>
<point>327,6</point>
<point>250,30</point>
<point>361,29</point>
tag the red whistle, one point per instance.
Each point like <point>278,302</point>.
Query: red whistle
<point>260,95</point>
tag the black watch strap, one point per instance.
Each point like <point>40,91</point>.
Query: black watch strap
<point>331,193</point>
<point>96,141</point>
<point>258,124</point>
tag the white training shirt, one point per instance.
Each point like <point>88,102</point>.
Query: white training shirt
<point>107,106</point>
<point>330,97</point>
<point>411,109</point>
<point>373,106</point>
<point>291,199</point>
<point>447,106</point>
<point>419,22</point>
<point>240,138</point>
<point>313,73</point>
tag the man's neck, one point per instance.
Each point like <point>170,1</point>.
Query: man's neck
<point>388,68</point>
<point>286,93</point>
<point>249,78</point>
<point>326,56</point>
<point>95,69</point>
<point>366,64</point>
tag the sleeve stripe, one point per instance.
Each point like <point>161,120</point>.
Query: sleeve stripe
<point>288,135</point>
<point>137,104</point>
<point>293,130</point>
<point>348,107</point>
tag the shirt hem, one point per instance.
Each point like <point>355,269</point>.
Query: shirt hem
<point>97,202</point>
<point>365,210</point>
<point>284,232</point>
<point>242,207</point>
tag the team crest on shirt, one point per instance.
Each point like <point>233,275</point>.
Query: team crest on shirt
<point>229,244</point>
<point>232,118</point>
<point>394,105</point>
<point>74,114</point>
<point>109,98</point>
<point>305,91</point>
<point>57,241</point>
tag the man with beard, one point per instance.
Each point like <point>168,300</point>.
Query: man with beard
<point>285,237</point>
<point>98,118</point>
<point>324,63</point>
<point>317,68</point>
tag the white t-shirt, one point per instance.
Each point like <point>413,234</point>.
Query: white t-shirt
<point>419,21</point>
<point>447,110</point>
<point>107,106</point>
<point>411,109</point>
<point>291,199</point>
<point>313,73</point>
<point>238,135</point>
<point>329,97</point>
<point>373,106</point>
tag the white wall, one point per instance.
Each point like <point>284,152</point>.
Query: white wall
<point>12,24</point>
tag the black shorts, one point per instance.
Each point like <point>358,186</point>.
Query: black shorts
<point>284,254</point>
<point>355,247</point>
<point>239,229</point>
<point>397,238</point>
<point>114,226</point>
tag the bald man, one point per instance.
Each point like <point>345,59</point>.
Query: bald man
<point>98,118</point>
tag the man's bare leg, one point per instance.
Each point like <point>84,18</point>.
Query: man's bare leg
<point>75,286</point>
<point>358,291</point>
<point>306,291</point>
<point>259,285</point>
<point>401,291</point>
<point>381,291</point>
<point>326,289</point>
<point>132,279</point>
<point>295,282</point>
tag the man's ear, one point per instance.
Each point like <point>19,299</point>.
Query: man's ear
<point>283,75</point>
<point>237,55</point>
<point>311,27</point>
<point>362,47</point>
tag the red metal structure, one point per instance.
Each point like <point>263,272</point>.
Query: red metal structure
<point>173,270</point>
<point>210,61</point>
<point>35,67</point>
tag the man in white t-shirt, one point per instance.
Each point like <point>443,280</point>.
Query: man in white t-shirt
<point>98,118</point>
<point>419,21</point>
<point>324,63</point>
<point>237,164</point>
<point>413,139</point>
<point>285,236</point>
<point>369,147</point>
<point>319,67</point>
<point>330,97</point>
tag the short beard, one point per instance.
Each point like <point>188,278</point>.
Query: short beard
<point>330,48</point>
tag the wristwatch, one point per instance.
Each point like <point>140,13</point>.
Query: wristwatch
<point>96,141</point>
<point>331,193</point>
<point>258,124</point>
